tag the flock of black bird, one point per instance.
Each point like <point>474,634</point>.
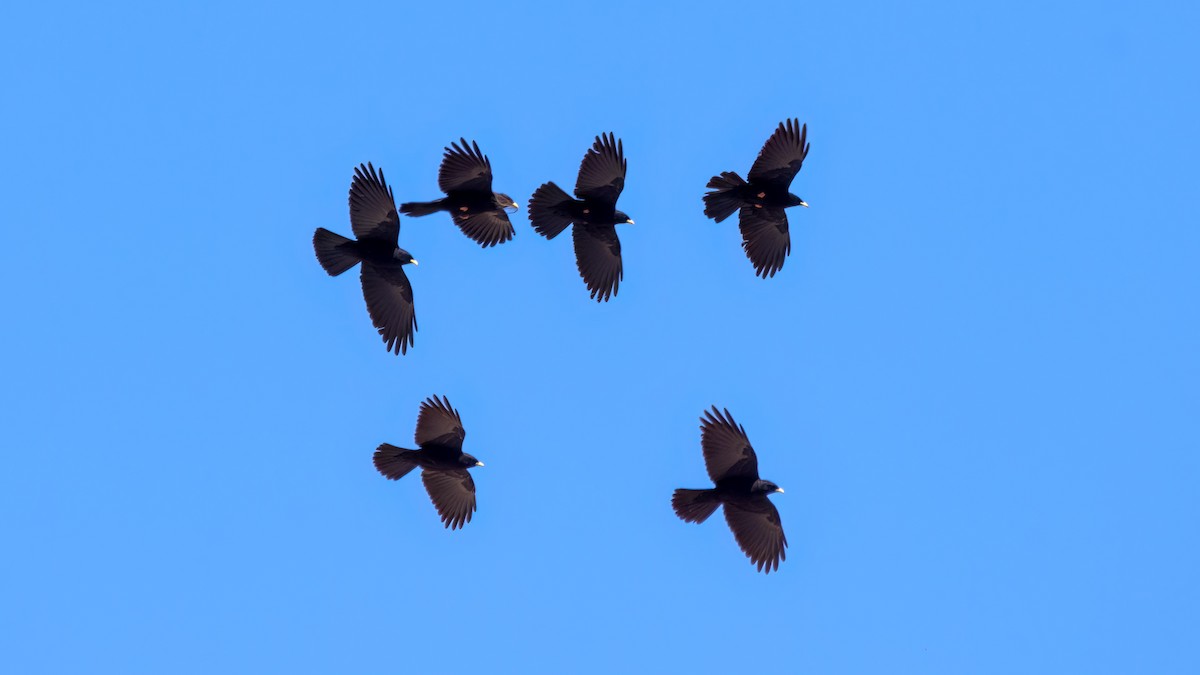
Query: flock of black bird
<point>465,177</point>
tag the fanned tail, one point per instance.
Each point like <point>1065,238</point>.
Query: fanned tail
<point>394,463</point>
<point>548,210</point>
<point>335,252</point>
<point>724,200</point>
<point>694,506</point>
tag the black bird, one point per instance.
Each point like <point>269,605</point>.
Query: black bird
<point>733,466</point>
<point>466,178</point>
<point>385,287</point>
<point>443,463</point>
<point>597,249</point>
<point>763,199</point>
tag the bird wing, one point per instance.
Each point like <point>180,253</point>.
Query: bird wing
<point>765,238</point>
<point>598,256</point>
<point>452,494</point>
<point>758,530</point>
<point>486,228</point>
<point>439,423</point>
<point>727,450</point>
<point>464,167</point>
<point>602,172</point>
<point>372,207</point>
<point>389,299</point>
<point>781,156</point>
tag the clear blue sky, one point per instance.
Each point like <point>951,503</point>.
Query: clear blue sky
<point>976,377</point>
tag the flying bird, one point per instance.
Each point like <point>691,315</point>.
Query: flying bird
<point>594,213</point>
<point>733,466</point>
<point>466,178</point>
<point>762,200</point>
<point>376,226</point>
<point>443,464</point>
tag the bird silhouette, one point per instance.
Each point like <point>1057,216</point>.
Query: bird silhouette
<point>466,177</point>
<point>733,467</point>
<point>761,201</point>
<point>594,213</point>
<point>443,464</point>
<point>385,286</point>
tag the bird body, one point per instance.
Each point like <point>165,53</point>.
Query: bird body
<point>465,176</point>
<point>386,287</point>
<point>428,458</point>
<point>733,467</point>
<point>458,202</point>
<point>443,463</point>
<point>740,193</point>
<point>594,213</point>
<point>344,249</point>
<point>760,200</point>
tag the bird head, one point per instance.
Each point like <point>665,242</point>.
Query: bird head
<point>469,461</point>
<point>765,487</point>
<point>622,217</point>
<point>793,200</point>
<point>404,257</point>
<point>505,202</point>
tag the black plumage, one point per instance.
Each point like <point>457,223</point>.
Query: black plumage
<point>762,199</point>
<point>385,286</point>
<point>733,467</point>
<point>466,177</point>
<point>443,464</point>
<point>594,213</point>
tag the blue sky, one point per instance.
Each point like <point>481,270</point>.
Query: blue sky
<point>975,376</point>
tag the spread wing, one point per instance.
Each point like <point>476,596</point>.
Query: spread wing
<point>759,533</point>
<point>372,207</point>
<point>765,238</point>
<point>452,494</point>
<point>390,303</point>
<point>602,172</point>
<point>438,423</point>
<point>486,228</point>
<point>464,167</point>
<point>781,156</point>
<point>727,451</point>
<point>598,256</point>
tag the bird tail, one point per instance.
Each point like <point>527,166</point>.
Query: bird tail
<point>334,252</point>
<point>394,463</point>
<point>694,506</point>
<point>418,209</point>
<point>724,200</point>
<point>548,210</point>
